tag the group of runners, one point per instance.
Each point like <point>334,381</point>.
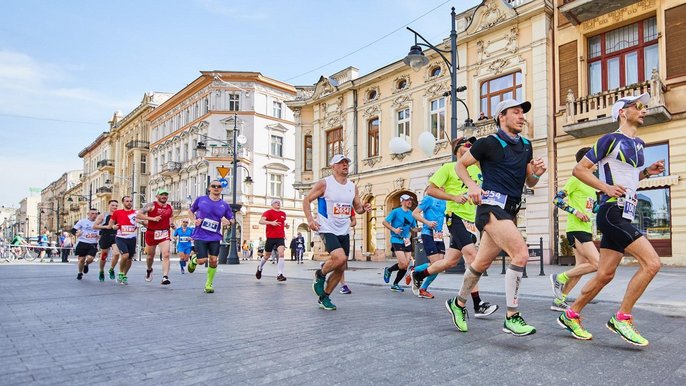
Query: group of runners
<point>477,197</point>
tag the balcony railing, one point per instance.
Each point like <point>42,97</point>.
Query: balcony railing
<point>579,11</point>
<point>103,190</point>
<point>592,115</point>
<point>105,164</point>
<point>74,207</point>
<point>179,205</point>
<point>138,145</point>
<point>481,129</point>
<point>170,168</point>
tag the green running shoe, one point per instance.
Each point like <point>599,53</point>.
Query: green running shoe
<point>124,280</point>
<point>516,326</point>
<point>101,276</point>
<point>626,329</point>
<point>209,289</point>
<point>459,314</point>
<point>111,273</point>
<point>574,326</point>
<point>120,278</point>
<point>192,264</point>
<point>325,304</point>
<point>318,285</point>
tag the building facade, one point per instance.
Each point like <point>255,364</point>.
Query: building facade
<point>27,217</point>
<point>206,112</point>
<point>54,206</point>
<point>604,52</point>
<point>504,51</point>
<point>98,165</point>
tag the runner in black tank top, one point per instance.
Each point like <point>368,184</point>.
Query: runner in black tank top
<point>107,240</point>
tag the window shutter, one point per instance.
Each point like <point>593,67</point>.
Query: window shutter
<point>675,34</point>
<point>561,19</point>
<point>569,71</point>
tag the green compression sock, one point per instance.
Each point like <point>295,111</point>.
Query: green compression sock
<point>210,275</point>
<point>563,278</point>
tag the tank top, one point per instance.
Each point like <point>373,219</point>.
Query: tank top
<point>159,210</point>
<point>335,207</point>
<point>108,232</point>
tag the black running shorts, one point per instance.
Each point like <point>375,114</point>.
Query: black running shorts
<point>617,231</point>
<point>333,242</point>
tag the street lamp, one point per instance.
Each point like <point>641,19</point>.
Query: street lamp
<point>416,60</point>
<point>235,207</point>
<point>89,197</point>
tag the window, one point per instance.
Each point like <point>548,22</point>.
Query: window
<point>437,112</point>
<point>373,137</point>
<point>276,148</point>
<point>496,90</point>
<point>275,185</point>
<point>402,83</point>
<point>308,153</point>
<point>403,129</point>
<point>371,95</point>
<point>144,164</point>
<point>334,143</point>
<point>276,109</point>
<point>233,102</point>
<point>435,71</point>
<point>623,56</point>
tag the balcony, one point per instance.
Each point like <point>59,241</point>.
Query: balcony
<point>74,207</point>
<point>481,129</point>
<point>103,191</point>
<point>592,115</point>
<point>138,145</point>
<point>170,168</point>
<point>226,152</point>
<point>106,164</point>
<point>579,11</point>
<point>179,205</point>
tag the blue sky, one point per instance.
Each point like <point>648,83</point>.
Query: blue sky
<point>67,66</point>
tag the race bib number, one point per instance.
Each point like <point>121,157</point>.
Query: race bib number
<point>629,211</point>
<point>161,234</point>
<point>589,203</point>
<point>210,225</point>
<point>494,198</point>
<point>184,239</point>
<point>470,227</point>
<point>342,210</point>
<point>407,242</point>
<point>127,230</point>
<point>438,236</point>
<point>91,235</point>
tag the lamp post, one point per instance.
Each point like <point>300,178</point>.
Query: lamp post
<point>416,60</point>
<point>89,197</point>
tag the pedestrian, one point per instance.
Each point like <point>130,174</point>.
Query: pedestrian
<point>292,247</point>
<point>209,213</point>
<point>107,240</point>
<point>66,244</point>
<point>507,163</point>
<point>579,204</point>
<point>86,242</point>
<point>460,214</point>
<point>124,222</point>
<point>336,198</point>
<point>400,222</point>
<point>260,248</point>
<point>245,249</point>
<point>620,159</point>
<point>43,244</point>
<point>182,237</point>
<point>275,221</point>
<point>299,248</point>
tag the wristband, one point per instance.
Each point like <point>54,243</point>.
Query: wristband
<point>535,176</point>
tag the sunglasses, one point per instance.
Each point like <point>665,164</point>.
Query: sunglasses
<point>216,186</point>
<point>638,105</point>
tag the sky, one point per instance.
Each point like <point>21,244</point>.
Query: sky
<point>67,66</point>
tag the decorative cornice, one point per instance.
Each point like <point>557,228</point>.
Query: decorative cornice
<point>371,161</point>
<point>400,101</point>
<point>397,80</point>
<point>398,183</point>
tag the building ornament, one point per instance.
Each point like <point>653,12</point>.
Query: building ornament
<point>618,16</point>
<point>437,89</point>
<point>371,111</point>
<point>400,101</point>
<point>397,83</point>
<point>497,65</point>
<point>440,145</point>
<point>372,92</point>
<point>367,189</point>
<point>398,183</point>
<point>492,15</point>
<point>371,161</point>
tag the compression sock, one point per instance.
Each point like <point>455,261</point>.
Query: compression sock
<point>210,275</point>
<point>280,266</point>
<point>399,276</point>
<point>428,281</point>
<point>513,279</point>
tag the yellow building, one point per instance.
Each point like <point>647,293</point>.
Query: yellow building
<point>97,166</point>
<point>504,51</point>
<point>607,50</point>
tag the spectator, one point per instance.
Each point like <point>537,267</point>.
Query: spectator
<point>66,243</point>
<point>482,116</point>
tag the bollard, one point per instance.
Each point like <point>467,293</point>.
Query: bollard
<point>540,245</point>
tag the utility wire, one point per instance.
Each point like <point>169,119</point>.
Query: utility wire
<point>48,119</point>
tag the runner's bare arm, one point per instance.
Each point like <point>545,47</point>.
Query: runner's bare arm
<point>534,170</point>
<point>142,213</point>
<point>357,204</point>
<point>436,192</point>
<point>99,223</point>
<point>583,171</point>
<point>461,165</point>
<point>417,214</point>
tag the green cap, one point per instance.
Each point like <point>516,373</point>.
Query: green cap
<point>162,191</point>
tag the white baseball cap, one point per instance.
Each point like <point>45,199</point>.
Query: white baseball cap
<point>508,103</point>
<point>405,197</point>
<point>627,100</point>
<point>338,158</point>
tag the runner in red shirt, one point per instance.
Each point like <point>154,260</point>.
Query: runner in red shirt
<point>158,214</point>
<point>275,220</point>
<point>124,222</point>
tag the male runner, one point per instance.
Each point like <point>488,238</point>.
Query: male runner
<point>182,236</point>
<point>158,214</point>
<point>124,222</point>
<point>430,212</point>
<point>275,220</point>
<point>107,240</point>
<point>400,222</point>
<point>579,205</point>
<point>210,213</point>
<point>507,163</point>
<point>86,241</point>
<point>620,160</point>
<point>444,184</point>
<point>336,198</point>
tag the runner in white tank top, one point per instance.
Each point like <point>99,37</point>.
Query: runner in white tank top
<point>335,207</point>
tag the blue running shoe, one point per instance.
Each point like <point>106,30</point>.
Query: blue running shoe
<point>397,288</point>
<point>386,275</point>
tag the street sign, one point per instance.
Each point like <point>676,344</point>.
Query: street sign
<point>223,171</point>
<point>224,182</point>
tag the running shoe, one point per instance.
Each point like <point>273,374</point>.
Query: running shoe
<point>345,290</point>
<point>408,276</point>
<point>85,269</point>
<point>258,273</point>
<point>165,280</point>
<point>111,272</point>
<point>557,286</point>
<point>125,280</point>
<point>574,326</point>
<point>148,275</point>
<point>626,330</point>
<point>484,309</point>
<point>386,275</point>
<point>182,271</point>
<point>325,304</point>
<point>318,285</point>
<point>416,283</point>
<point>559,305</point>
<point>192,264</point>
<point>101,276</point>
<point>397,288</point>
<point>281,277</point>
<point>120,278</point>
<point>459,314</point>
<point>516,326</point>
<point>424,294</point>
<point>209,289</point>
<point>79,276</point>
